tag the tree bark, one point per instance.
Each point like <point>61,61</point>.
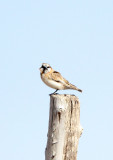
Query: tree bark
<point>64,128</point>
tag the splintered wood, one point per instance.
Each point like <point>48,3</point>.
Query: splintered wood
<point>64,128</point>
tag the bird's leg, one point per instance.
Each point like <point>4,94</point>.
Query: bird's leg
<point>54,92</point>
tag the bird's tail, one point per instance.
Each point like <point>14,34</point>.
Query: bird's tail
<point>71,86</point>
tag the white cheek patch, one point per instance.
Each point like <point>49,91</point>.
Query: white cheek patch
<point>47,70</point>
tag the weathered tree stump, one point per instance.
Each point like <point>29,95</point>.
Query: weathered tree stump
<point>64,128</point>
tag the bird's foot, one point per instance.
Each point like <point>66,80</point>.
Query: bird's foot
<point>54,93</point>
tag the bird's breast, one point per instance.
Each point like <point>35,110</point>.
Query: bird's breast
<point>52,83</point>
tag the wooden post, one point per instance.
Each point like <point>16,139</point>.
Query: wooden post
<point>64,128</point>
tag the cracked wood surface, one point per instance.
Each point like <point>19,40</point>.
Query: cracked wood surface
<point>64,128</point>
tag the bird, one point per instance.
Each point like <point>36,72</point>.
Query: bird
<point>54,79</point>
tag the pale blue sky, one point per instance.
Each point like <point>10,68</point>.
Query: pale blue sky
<point>76,39</point>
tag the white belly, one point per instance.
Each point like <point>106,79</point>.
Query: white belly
<point>53,84</point>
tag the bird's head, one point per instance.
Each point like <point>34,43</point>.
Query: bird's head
<point>45,68</point>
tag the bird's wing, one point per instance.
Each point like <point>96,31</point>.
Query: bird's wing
<point>56,76</point>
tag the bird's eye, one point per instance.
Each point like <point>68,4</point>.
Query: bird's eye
<point>48,67</point>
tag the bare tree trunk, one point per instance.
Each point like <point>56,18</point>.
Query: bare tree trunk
<point>64,128</point>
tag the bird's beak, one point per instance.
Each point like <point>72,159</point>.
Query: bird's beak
<point>40,68</point>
